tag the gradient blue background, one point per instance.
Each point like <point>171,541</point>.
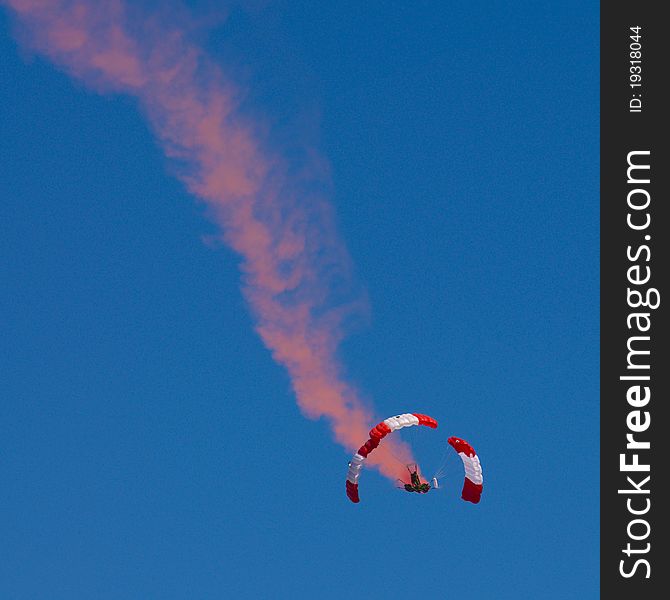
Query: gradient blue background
<point>150,447</point>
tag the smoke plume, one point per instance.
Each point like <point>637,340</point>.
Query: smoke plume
<point>294,267</point>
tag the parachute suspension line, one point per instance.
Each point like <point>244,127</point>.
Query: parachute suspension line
<point>397,458</point>
<point>411,435</point>
<point>450,465</point>
<point>412,440</point>
<point>441,465</point>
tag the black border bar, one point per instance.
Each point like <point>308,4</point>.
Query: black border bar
<point>635,361</point>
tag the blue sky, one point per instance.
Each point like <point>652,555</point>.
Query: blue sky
<point>151,448</point>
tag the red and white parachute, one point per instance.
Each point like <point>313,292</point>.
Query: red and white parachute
<point>376,434</point>
<point>474,478</point>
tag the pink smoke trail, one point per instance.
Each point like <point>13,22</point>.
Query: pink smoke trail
<point>292,260</point>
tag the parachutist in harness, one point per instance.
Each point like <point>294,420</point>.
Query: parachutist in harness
<point>416,485</point>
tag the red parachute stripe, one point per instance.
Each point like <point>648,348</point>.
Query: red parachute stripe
<point>426,420</point>
<point>352,491</point>
<point>371,444</point>
<point>461,446</point>
<point>471,491</point>
<point>380,430</point>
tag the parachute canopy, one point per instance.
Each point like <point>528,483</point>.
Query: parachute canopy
<point>474,477</point>
<point>377,433</point>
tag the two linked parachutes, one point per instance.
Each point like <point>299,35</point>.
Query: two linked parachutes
<point>474,478</point>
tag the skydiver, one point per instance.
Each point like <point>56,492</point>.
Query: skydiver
<point>416,485</point>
